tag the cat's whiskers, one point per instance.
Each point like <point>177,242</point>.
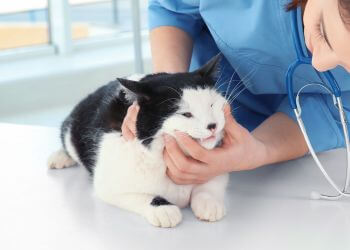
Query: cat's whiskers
<point>174,90</point>
<point>233,111</point>
<point>224,82</point>
<point>169,99</point>
<point>235,72</point>
<point>221,73</point>
<point>245,78</point>
<point>218,87</point>
<point>232,98</point>
<point>223,92</point>
<point>229,84</point>
<point>238,93</point>
<point>239,85</point>
<point>243,83</point>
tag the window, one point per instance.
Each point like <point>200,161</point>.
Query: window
<point>23,23</point>
<point>91,18</point>
<point>66,26</point>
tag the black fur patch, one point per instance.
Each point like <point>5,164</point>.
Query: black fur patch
<point>159,201</point>
<point>101,112</point>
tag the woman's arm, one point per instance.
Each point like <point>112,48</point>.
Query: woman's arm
<point>171,49</point>
<point>282,137</point>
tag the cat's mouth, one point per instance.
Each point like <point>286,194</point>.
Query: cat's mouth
<point>207,139</point>
<point>210,138</point>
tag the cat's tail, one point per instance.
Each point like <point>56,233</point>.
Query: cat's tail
<point>60,159</point>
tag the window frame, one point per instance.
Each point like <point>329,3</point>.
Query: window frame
<point>61,42</point>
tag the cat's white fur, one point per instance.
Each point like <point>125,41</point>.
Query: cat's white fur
<point>129,175</point>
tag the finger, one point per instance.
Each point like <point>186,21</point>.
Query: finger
<point>232,127</point>
<point>194,149</point>
<point>128,126</point>
<point>228,115</point>
<point>132,117</point>
<point>180,177</point>
<point>127,134</point>
<point>180,181</point>
<point>181,161</point>
<point>227,140</point>
<point>133,112</point>
<point>175,174</point>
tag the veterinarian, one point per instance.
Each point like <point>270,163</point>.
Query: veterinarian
<point>255,39</point>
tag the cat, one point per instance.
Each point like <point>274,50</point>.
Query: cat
<point>132,174</point>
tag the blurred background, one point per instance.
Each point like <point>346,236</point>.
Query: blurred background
<point>55,52</point>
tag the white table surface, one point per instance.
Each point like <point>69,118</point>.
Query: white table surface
<point>268,208</point>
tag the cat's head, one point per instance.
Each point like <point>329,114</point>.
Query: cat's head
<point>186,102</point>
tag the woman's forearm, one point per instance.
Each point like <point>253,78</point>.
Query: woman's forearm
<point>282,138</point>
<point>171,49</point>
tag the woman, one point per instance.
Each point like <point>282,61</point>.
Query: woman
<point>255,38</point>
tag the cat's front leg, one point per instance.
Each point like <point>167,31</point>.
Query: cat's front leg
<point>157,210</point>
<point>207,200</point>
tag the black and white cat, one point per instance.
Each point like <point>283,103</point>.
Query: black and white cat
<point>132,174</point>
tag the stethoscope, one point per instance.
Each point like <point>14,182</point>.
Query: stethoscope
<point>305,58</point>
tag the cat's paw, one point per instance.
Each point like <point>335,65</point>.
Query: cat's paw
<point>207,208</point>
<point>60,159</point>
<point>164,216</point>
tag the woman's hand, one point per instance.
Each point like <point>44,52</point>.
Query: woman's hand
<point>240,151</point>
<point>129,123</point>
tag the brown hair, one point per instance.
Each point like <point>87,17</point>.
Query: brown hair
<point>344,8</point>
<point>295,3</point>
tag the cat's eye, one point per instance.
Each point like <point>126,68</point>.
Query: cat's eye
<point>187,114</point>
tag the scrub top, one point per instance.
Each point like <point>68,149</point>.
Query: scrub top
<point>255,39</point>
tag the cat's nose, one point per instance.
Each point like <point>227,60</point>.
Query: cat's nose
<point>212,127</point>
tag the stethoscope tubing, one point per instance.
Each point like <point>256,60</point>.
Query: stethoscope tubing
<point>316,195</point>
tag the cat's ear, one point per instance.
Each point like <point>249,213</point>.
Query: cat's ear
<point>211,68</point>
<point>137,88</point>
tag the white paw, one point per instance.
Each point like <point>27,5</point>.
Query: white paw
<point>206,208</point>
<point>164,216</point>
<point>60,159</point>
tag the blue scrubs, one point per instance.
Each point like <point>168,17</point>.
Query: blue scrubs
<point>255,39</point>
